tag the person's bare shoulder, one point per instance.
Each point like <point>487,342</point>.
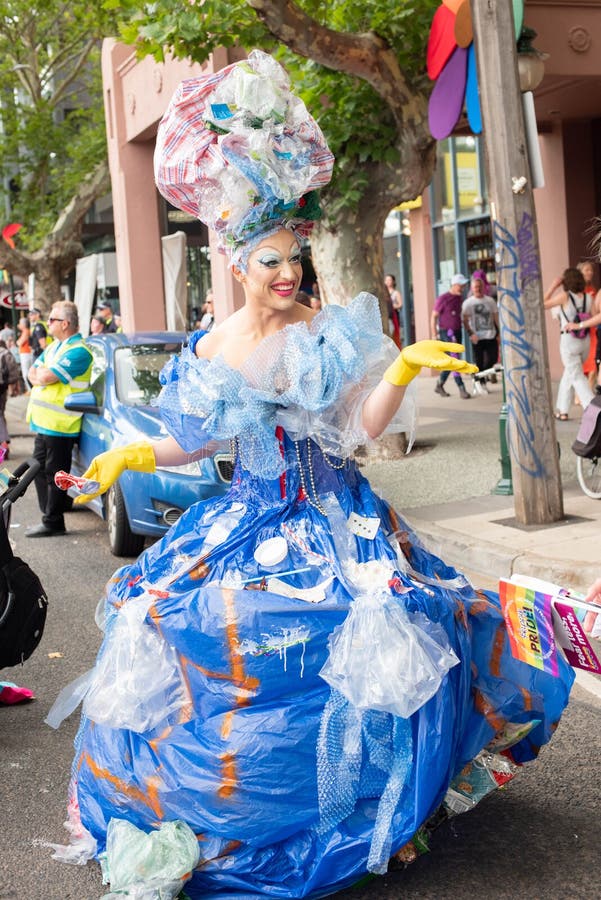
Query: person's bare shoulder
<point>213,342</point>
<point>210,345</point>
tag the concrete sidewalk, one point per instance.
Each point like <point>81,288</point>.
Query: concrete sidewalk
<point>444,489</point>
<point>444,485</point>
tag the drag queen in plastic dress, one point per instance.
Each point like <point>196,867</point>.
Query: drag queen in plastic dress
<point>290,686</point>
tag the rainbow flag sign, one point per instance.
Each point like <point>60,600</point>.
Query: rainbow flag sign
<point>528,615</point>
<point>540,618</point>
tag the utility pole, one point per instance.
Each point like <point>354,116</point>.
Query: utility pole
<point>531,435</point>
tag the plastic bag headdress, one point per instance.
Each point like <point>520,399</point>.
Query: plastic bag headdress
<point>237,150</point>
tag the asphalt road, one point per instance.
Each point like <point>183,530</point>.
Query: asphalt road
<point>537,838</point>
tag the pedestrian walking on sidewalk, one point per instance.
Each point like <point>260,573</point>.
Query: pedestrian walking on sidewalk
<point>446,326</point>
<point>63,369</point>
<point>481,321</point>
<point>567,292</point>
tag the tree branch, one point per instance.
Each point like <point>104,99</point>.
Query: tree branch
<point>63,245</point>
<point>78,61</point>
<point>366,56</point>
<point>68,223</point>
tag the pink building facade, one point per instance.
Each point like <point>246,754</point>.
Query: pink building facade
<point>568,109</point>
<point>136,94</point>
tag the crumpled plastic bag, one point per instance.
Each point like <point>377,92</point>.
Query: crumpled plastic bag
<point>137,680</point>
<point>383,657</point>
<point>153,866</point>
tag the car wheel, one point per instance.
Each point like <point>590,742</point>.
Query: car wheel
<point>122,540</point>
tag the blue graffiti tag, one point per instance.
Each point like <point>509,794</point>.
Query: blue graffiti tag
<point>515,258</point>
<point>527,251</point>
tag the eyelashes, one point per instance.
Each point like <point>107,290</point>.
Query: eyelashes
<point>271,262</point>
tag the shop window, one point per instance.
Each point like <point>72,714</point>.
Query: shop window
<point>446,253</point>
<point>442,183</point>
<point>468,175</point>
<point>479,248</point>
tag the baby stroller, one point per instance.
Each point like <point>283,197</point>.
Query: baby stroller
<point>23,602</point>
<point>587,448</point>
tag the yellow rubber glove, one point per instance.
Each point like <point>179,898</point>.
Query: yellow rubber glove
<point>107,467</point>
<point>426,354</point>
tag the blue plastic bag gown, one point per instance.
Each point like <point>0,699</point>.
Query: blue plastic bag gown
<point>291,790</point>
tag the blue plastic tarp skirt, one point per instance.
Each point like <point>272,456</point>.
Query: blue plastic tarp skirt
<point>291,791</point>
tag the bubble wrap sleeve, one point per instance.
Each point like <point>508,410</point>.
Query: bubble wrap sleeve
<point>339,428</point>
<point>310,378</point>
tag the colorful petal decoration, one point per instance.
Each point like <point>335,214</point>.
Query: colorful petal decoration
<point>453,4</point>
<point>451,63</point>
<point>518,16</point>
<point>472,100</point>
<point>446,101</point>
<point>464,32</point>
<point>441,42</point>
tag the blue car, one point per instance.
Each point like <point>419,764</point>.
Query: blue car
<point>118,409</point>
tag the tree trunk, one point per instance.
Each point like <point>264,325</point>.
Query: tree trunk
<point>47,289</point>
<point>347,246</point>
<point>348,255</point>
<point>61,247</point>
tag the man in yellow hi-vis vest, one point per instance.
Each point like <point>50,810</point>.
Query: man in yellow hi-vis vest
<point>63,369</point>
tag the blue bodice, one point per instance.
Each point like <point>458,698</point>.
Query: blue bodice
<point>311,379</point>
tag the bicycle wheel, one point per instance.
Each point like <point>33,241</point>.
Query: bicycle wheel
<point>589,476</point>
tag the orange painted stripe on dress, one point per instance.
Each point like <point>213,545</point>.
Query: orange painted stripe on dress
<point>153,784</point>
<point>229,779</point>
<point>185,713</point>
<point>249,684</point>
<point>133,793</point>
<point>460,613</point>
<point>231,634</point>
<point>478,607</point>
<point>155,616</point>
<point>154,742</point>
<point>484,707</point>
<point>199,571</point>
<point>497,651</point>
<point>226,727</point>
<point>527,696</point>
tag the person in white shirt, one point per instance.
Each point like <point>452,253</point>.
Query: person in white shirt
<point>481,321</point>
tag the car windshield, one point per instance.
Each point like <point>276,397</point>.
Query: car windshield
<point>137,372</point>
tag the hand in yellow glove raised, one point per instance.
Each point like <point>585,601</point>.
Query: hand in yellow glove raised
<point>107,467</point>
<point>428,354</point>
